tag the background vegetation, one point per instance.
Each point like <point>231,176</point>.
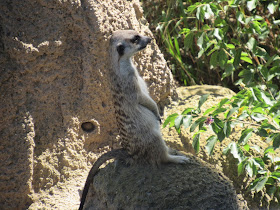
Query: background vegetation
<point>234,44</point>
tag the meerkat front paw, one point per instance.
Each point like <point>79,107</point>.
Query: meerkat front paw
<point>183,159</point>
<point>178,159</point>
<point>159,119</point>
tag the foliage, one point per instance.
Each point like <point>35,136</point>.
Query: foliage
<point>234,43</point>
<point>220,41</point>
<point>252,107</point>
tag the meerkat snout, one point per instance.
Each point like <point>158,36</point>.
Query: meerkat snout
<point>146,40</point>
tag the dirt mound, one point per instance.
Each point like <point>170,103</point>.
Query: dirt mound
<point>56,111</point>
<point>194,185</point>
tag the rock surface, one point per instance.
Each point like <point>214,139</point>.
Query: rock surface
<point>194,185</point>
<point>54,78</point>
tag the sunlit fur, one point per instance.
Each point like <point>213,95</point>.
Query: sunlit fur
<point>136,112</point>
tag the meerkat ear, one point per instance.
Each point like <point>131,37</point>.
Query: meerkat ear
<point>120,49</point>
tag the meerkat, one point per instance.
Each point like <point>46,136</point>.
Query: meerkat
<point>137,113</point>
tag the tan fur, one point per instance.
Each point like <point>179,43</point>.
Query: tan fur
<point>137,113</point>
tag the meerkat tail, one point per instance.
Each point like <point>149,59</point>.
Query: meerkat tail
<point>113,154</point>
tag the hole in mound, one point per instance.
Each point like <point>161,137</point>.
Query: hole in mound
<point>88,127</point>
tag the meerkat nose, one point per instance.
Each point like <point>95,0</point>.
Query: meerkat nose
<point>149,39</point>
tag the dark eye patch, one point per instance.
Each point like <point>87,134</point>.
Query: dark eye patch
<point>120,49</point>
<point>135,39</point>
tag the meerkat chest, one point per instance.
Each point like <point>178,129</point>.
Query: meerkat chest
<point>142,85</point>
<point>126,69</point>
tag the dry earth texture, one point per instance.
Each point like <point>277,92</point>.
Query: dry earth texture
<point>195,185</point>
<point>54,77</point>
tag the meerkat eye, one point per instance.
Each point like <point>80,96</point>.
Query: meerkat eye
<point>135,39</point>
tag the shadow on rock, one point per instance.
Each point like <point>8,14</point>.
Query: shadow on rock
<point>195,185</point>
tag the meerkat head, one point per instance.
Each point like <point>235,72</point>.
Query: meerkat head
<point>127,42</point>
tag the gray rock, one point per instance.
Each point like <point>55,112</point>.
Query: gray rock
<point>195,185</point>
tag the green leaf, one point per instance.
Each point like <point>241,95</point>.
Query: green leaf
<point>258,117</point>
<point>262,132</point>
<point>273,72</point>
<point>187,121</point>
<point>259,109</point>
<point>202,99</point>
<point>218,111</point>
<point>256,94</point>
<point>266,99</point>
<point>176,44</point>
<point>221,136</point>
<point>193,7</point>
<point>246,147</point>
<point>240,17</point>
<point>223,58</point>
<point>276,141</point>
<point>236,151</point>
<point>276,22</point>
<point>272,7</point>
<point>208,11</point>
<point>256,147</point>
<point>223,102</point>
<point>251,4</point>
<point>257,26</point>
<point>229,69</point>
<point>271,59</point>
<point>217,125</point>
<point>276,174</point>
<point>211,141</point>
<point>247,59</point>
<point>216,34</point>
<point>266,125</point>
<point>187,111</point>
<point>227,129</point>
<point>195,143</point>
<point>209,110</point>
<point>243,116</point>
<point>269,149</point>
<point>200,41</point>
<point>250,168</point>
<point>197,122</point>
<point>230,46</point>
<point>178,122</point>
<point>241,166</point>
<point>237,56</point>
<point>251,44</point>
<point>185,31</point>
<point>170,119</point>
<point>214,61</point>
<point>231,111</point>
<point>245,135</point>
<point>275,108</point>
<point>200,14</point>
<point>227,149</point>
<point>235,41</point>
<point>188,41</point>
<point>259,183</point>
<point>261,52</point>
<point>259,162</point>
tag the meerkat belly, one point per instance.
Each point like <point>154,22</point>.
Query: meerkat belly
<point>142,85</point>
<point>144,124</point>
